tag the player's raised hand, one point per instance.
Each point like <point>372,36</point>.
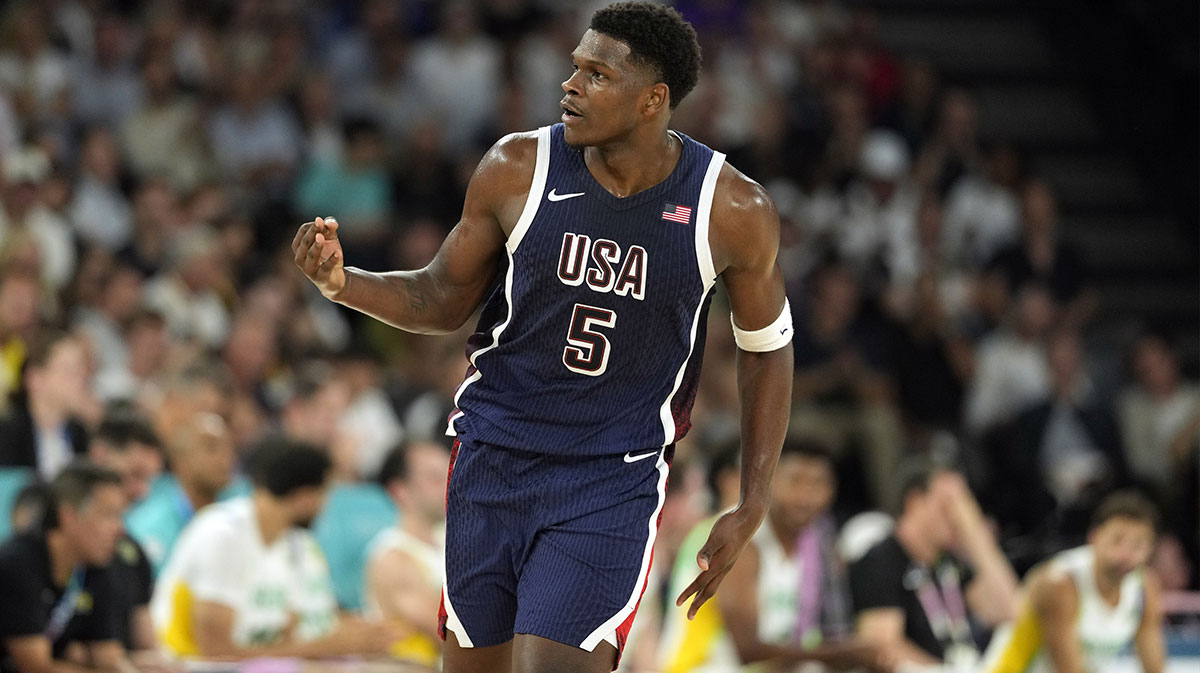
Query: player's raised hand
<point>319,254</point>
<point>728,538</point>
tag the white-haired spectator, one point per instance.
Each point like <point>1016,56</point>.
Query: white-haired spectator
<point>881,208</point>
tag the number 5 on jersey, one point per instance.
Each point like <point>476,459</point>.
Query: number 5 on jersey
<point>587,349</point>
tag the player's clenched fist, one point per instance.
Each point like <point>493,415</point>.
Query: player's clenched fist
<point>319,254</point>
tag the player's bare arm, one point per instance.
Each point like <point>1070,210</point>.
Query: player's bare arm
<point>744,237</point>
<point>442,296</point>
<point>1151,650</point>
<point>1056,602</point>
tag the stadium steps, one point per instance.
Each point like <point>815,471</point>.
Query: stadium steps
<point>1029,93</point>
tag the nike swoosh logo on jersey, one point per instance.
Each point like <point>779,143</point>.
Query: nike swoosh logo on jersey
<point>634,459</point>
<point>562,197</point>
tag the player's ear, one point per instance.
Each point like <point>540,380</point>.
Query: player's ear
<point>658,98</point>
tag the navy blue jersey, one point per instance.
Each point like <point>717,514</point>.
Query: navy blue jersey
<point>590,343</point>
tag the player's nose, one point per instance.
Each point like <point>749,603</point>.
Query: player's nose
<point>569,85</point>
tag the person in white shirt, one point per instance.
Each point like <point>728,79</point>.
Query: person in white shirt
<point>1087,605</point>
<point>246,579</point>
<point>406,563</point>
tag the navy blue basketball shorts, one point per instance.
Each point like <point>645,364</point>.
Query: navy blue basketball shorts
<point>553,546</point>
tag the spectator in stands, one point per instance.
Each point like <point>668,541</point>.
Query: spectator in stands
<point>247,579</point>
<point>357,187</point>
<point>100,213</point>
<point>105,87</point>
<point>18,325</point>
<point>1041,256</point>
<point>842,394</point>
<point>879,229</point>
<point>312,413</point>
<point>201,455</point>
<point>23,213</point>
<point>146,344</point>
<point>406,563</point>
<point>982,211</point>
<point>163,137</point>
<point>1064,453</point>
<point>1011,371</point>
<point>919,591</point>
<point>1160,416</point>
<point>186,291</point>
<point>103,315</point>
<point>787,600</point>
<point>126,444</point>
<point>255,138</point>
<point>59,610</point>
<point>1084,606</point>
<point>43,427</point>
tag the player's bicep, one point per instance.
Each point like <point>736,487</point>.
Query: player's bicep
<point>745,244</point>
<point>1056,602</point>
<point>469,257</point>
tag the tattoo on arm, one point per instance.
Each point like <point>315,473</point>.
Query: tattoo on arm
<point>416,297</point>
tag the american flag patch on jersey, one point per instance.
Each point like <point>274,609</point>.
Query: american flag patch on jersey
<point>677,213</point>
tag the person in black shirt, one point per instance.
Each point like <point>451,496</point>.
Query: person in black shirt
<point>914,597</point>
<point>56,593</point>
<point>126,443</point>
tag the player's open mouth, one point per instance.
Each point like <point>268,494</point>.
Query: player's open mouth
<point>568,113</point>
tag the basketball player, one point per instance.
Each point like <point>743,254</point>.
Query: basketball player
<point>1089,604</point>
<point>597,243</point>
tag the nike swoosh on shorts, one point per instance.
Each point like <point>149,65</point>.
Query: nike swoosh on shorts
<point>634,459</point>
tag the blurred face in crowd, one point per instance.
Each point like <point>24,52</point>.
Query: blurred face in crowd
<point>1039,209</point>
<point>18,303</point>
<point>1034,312</point>
<point>137,463</point>
<point>1121,545</point>
<point>95,527</point>
<point>423,491</point>
<point>205,453</point>
<point>802,489</point>
<point>61,384</point>
<point>930,509</point>
<point>1155,367</point>
<point>605,93</point>
<point>1064,359</point>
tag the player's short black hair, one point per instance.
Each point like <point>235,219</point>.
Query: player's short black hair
<point>282,465</point>
<point>121,427</point>
<point>658,37</point>
<point>1126,504</point>
<point>75,486</point>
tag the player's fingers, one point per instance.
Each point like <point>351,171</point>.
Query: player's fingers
<point>709,590</point>
<point>692,588</point>
<point>300,235</point>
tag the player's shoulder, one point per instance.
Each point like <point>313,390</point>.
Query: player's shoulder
<point>513,152</point>
<point>738,194</point>
<point>1052,588</point>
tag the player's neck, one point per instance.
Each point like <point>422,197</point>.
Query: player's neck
<point>272,520</point>
<point>786,535</point>
<point>633,164</point>
<point>63,557</point>
<point>198,496</point>
<point>1107,586</point>
<point>419,528</point>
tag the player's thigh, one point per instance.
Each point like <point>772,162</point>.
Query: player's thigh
<point>494,659</point>
<point>534,654</point>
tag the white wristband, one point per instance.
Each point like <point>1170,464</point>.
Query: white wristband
<point>772,337</point>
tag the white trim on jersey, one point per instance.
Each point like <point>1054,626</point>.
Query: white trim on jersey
<point>607,630</point>
<point>537,187</point>
<point>708,276</point>
<point>453,623</point>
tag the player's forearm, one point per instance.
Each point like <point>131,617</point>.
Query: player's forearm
<point>409,300</point>
<point>765,392</point>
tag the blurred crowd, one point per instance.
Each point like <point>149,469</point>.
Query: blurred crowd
<point>157,157</point>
